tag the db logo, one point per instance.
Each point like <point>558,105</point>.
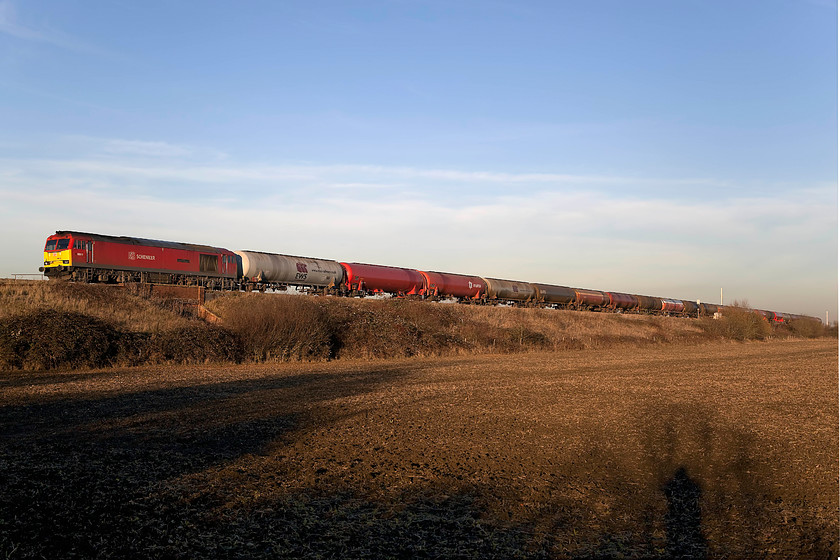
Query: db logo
<point>301,267</point>
<point>131,256</point>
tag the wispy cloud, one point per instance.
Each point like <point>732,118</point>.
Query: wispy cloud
<point>10,25</point>
<point>553,228</point>
<point>145,148</point>
<point>154,167</point>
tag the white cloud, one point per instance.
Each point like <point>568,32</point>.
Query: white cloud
<point>548,228</point>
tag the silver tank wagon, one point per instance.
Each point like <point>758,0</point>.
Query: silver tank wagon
<point>270,268</point>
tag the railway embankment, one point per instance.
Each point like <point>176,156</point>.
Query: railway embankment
<point>54,325</point>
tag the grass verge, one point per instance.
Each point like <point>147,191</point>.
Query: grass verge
<point>54,325</point>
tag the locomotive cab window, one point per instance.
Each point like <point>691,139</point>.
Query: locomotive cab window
<point>62,244</point>
<point>50,245</point>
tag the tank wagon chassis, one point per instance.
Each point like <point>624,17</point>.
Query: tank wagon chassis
<point>88,257</point>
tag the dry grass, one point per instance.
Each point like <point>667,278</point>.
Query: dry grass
<point>56,325</point>
<point>740,323</point>
<point>109,303</point>
<point>717,450</point>
<point>276,328</point>
<point>279,327</point>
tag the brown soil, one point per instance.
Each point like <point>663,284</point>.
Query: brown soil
<point>715,450</point>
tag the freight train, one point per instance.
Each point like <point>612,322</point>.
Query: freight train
<point>88,257</point>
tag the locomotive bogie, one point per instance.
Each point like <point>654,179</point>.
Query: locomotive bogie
<point>279,270</point>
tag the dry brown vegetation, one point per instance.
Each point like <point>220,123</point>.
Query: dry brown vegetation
<point>278,327</point>
<point>717,450</point>
<point>117,306</point>
<point>60,325</point>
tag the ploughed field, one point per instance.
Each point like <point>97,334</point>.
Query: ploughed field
<point>717,450</point>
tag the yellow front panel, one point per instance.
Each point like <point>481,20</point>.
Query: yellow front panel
<point>58,258</point>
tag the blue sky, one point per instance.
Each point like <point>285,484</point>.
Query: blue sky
<point>668,148</point>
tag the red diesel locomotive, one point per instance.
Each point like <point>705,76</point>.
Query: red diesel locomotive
<point>88,257</point>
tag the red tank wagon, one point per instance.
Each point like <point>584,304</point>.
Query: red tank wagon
<point>103,258</point>
<point>444,284</point>
<point>622,301</point>
<point>367,278</point>
<point>672,305</point>
<point>591,298</point>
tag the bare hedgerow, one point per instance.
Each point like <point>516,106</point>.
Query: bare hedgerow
<point>100,326</point>
<point>810,328</point>
<point>194,344</point>
<point>49,339</point>
<point>738,322</point>
<point>277,327</point>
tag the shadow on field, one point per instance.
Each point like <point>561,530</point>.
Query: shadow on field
<point>707,488</point>
<point>194,472</point>
<point>13,379</point>
<point>75,474</point>
<point>698,489</point>
<point>683,521</point>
